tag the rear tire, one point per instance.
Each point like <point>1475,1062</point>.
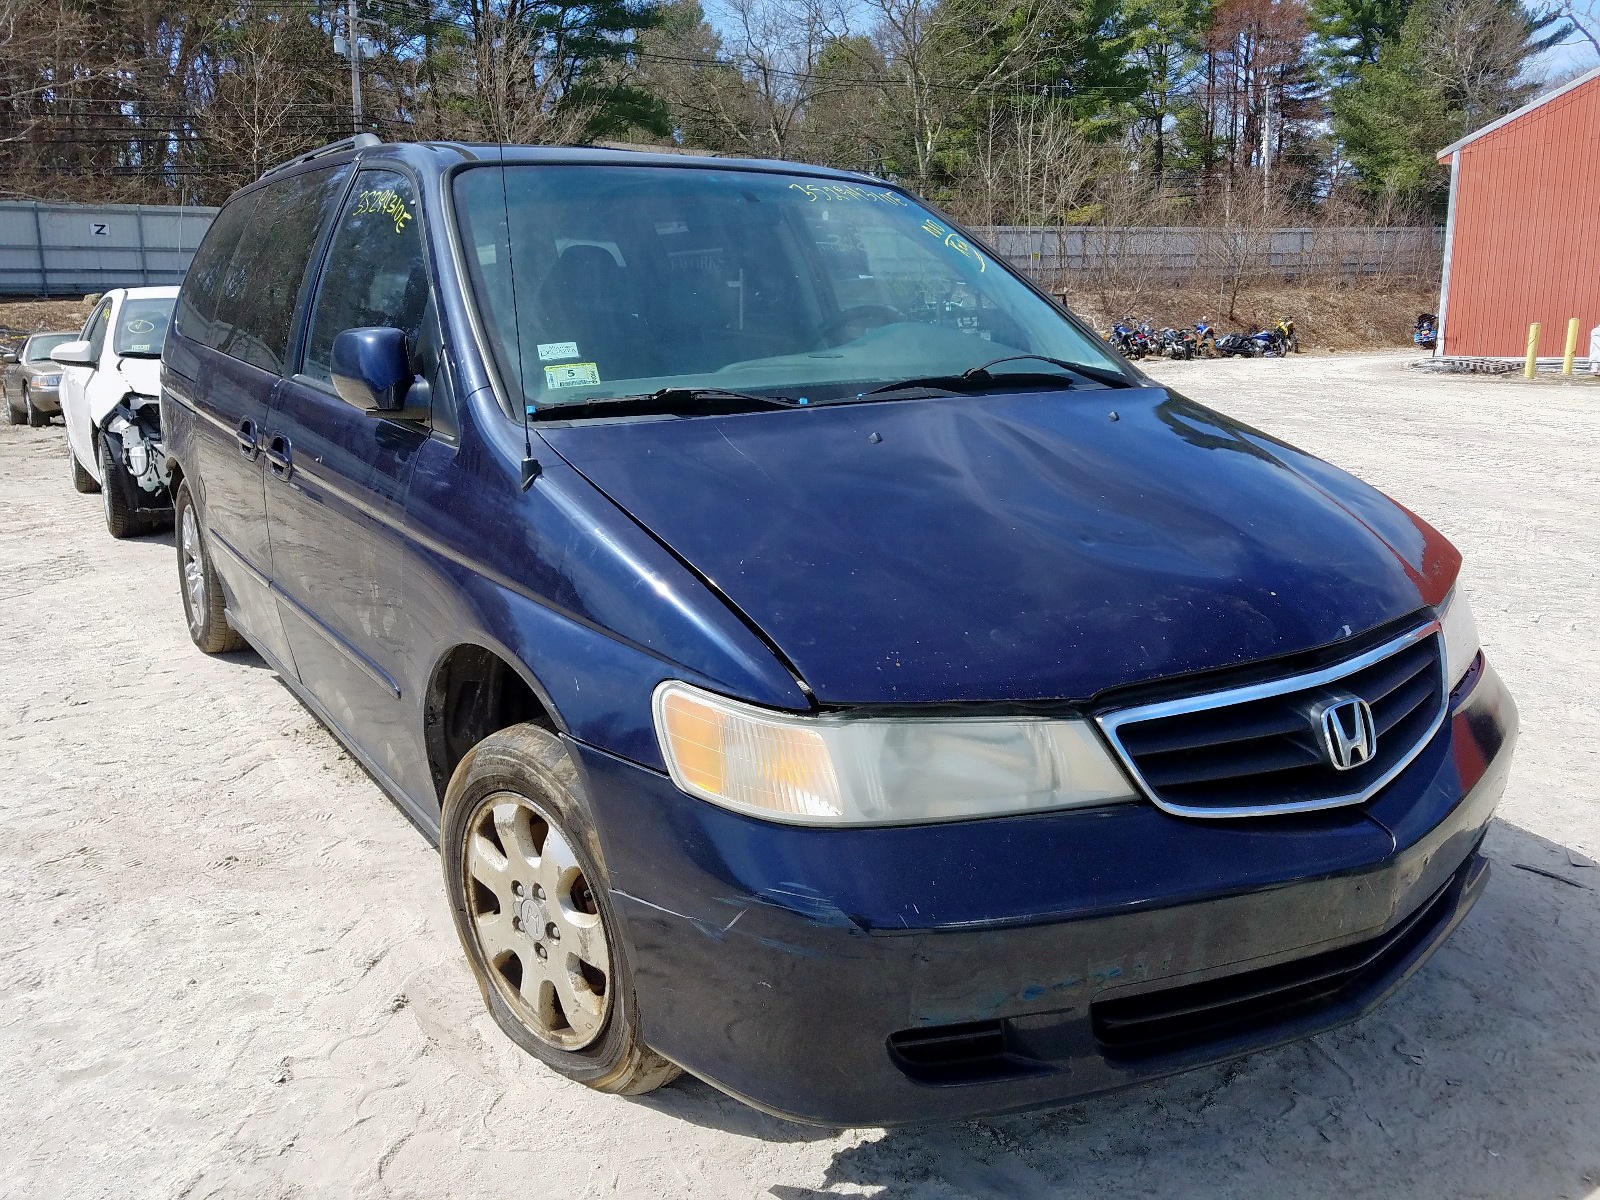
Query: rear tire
<point>204,609</point>
<point>15,415</point>
<point>522,868</point>
<point>82,481</point>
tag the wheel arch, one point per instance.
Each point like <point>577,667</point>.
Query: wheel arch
<point>474,690</point>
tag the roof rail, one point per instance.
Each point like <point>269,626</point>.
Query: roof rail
<point>359,141</point>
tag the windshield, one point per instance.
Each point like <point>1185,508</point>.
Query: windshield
<point>39,347</point>
<point>142,327</point>
<point>626,280</point>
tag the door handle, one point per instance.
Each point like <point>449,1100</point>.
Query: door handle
<point>246,436</point>
<point>279,455</point>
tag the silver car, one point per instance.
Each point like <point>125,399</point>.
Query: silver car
<point>31,380</point>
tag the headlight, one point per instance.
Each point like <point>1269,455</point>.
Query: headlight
<point>1460,635</point>
<point>878,771</point>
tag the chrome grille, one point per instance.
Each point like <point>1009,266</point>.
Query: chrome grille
<point>1259,750</point>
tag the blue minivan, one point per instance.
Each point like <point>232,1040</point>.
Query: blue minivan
<point>825,666</point>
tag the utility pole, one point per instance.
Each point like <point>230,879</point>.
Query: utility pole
<point>352,37</point>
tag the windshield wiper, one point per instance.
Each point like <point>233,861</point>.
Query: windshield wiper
<point>667,399</point>
<point>981,378</point>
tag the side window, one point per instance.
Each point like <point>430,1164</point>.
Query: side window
<point>428,361</point>
<point>195,316</point>
<point>376,273</point>
<point>274,254</point>
<point>95,331</point>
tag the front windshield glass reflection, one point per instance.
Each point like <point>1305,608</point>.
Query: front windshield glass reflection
<point>623,280</point>
<point>142,327</point>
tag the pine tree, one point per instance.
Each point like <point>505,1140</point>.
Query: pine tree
<point>1455,66</point>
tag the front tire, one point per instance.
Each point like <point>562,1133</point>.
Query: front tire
<point>527,892</point>
<point>36,418</point>
<point>204,609</point>
<point>123,520</point>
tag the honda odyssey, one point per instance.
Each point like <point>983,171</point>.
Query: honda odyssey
<point>825,666</point>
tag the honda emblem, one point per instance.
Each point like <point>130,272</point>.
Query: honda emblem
<point>1349,737</point>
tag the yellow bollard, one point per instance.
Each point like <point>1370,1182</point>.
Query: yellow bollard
<point>1531,364</point>
<point>1572,346</point>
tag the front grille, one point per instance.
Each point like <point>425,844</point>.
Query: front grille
<point>1258,750</point>
<point>1177,1018</point>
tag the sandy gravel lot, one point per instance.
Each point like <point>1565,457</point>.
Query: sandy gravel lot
<point>228,969</point>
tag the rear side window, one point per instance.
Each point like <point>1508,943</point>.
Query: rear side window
<point>195,316</point>
<point>375,274</point>
<point>261,289</point>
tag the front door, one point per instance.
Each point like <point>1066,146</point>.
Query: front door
<point>75,391</point>
<point>337,480</point>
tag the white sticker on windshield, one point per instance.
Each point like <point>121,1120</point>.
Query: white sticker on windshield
<point>572,375</point>
<point>556,351</point>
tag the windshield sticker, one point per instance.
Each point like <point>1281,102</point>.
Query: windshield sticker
<point>386,202</point>
<point>556,351</point>
<point>845,191</point>
<point>956,242</point>
<point>571,375</point>
<point>140,348</point>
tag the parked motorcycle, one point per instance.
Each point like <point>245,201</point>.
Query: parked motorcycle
<point>1205,339</point>
<point>1239,345</point>
<point>1424,332</point>
<point>1277,341</point>
<point>1177,343</point>
<point>1131,339</point>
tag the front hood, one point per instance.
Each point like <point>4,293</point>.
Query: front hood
<point>141,375</point>
<point>1029,547</point>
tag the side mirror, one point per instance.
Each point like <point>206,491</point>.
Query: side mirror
<point>73,354</point>
<point>372,371</point>
<point>9,356</point>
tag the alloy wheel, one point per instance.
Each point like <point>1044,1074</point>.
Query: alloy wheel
<point>536,922</point>
<point>194,569</point>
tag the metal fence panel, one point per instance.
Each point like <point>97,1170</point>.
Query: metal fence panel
<point>78,249</point>
<point>1176,251</point>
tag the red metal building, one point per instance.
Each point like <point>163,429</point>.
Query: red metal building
<point>1522,241</point>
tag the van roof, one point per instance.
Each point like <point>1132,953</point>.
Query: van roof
<point>369,145</point>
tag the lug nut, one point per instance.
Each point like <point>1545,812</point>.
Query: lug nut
<point>516,923</point>
<point>538,892</point>
<point>551,932</point>
<point>538,948</point>
<point>516,889</point>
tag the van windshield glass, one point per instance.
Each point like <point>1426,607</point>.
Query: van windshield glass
<point>142,327</point>
<point>622,281</point>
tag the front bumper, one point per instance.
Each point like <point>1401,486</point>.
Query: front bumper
<point>884,976</point>
<point>45,400</point>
